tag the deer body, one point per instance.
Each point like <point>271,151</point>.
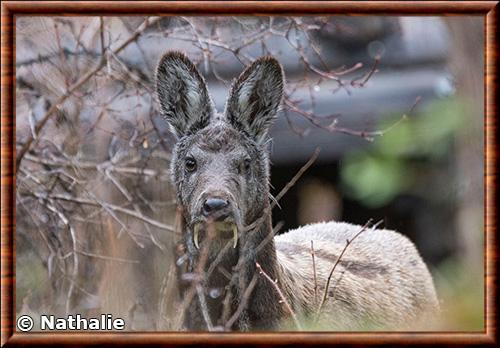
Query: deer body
<point>220,169</point>
<point>380,282</point>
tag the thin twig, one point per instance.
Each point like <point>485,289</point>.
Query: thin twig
<point>274,283</point>
<point>367,76</point>
<point>243,303</point>
<point>257,223</point>
<point>199,277</point>
<point>101,32</point>
<point>296,177</point>
<point>97,166</point>
<point>103,257</point>
<point>348,242</point>
<point>135,214</point>
<point>269,237</point>
<point>314,274</point>
<point>204,307</point>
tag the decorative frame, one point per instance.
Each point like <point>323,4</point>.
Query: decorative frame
<point>11,9</point>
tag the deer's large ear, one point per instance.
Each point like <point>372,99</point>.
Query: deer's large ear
<point>183,95</point>
<point>255,97</point>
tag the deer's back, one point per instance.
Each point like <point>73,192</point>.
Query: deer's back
<point>380,281</point>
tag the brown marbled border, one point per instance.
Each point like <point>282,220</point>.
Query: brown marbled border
<point>9,9</point>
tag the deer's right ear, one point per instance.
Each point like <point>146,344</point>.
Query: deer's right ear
<point>183,95</point>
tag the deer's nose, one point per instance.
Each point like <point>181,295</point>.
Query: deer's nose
<point>212,205</point>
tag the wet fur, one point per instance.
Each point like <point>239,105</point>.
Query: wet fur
<point>381,282</point>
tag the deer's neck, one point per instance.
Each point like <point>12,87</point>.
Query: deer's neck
<point>264,308</point>
<point>239,286</point>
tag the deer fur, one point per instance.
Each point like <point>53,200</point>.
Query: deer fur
<point>221,160</point>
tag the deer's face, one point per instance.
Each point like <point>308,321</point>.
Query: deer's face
<point>219,165</point>
<point>221,179</point>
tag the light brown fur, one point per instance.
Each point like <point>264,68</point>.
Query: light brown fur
<point>380,282</point>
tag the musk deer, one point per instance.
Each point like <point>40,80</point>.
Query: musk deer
<point>220,169</point>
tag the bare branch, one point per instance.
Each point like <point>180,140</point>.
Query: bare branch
<point>243,303</point>
<point>109,206</point>
<point>274,283</point>
<point>314,274</point>
<point>296,177</point>
<point>348,242</point>
<point>55,106</point>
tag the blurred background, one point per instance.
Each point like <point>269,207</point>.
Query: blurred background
<point>394,103</point>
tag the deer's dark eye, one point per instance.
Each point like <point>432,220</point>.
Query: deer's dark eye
<point>245,166</point>
<point>190,164</point>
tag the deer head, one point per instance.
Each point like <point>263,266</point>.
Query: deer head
<point>220,163</point>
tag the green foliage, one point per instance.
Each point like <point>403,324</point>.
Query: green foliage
<point>427,134</point>
<point>374,179</point>
<point>375,176</point>
<point>461,290</point>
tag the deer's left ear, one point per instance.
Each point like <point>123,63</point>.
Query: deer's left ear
<point>255,97</point>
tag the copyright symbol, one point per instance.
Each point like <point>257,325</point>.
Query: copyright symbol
<point>24,323</point>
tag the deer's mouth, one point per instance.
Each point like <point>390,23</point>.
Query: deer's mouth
<point>217,229</point>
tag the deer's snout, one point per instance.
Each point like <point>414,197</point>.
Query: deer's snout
<point>216,208</point>
<point>219,219</point>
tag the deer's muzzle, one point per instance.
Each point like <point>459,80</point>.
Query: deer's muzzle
<point>217,229</point>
